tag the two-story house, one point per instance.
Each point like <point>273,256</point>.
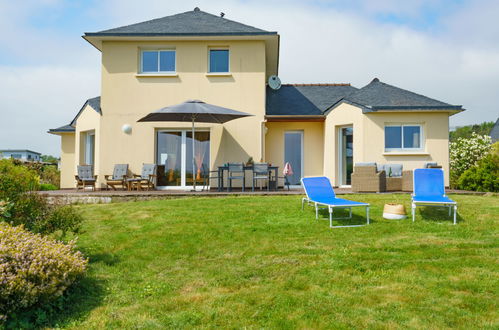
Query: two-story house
<point>318,128</point>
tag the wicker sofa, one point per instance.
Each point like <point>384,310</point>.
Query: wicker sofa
<point>367,178</point>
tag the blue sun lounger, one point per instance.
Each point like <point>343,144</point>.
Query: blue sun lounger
<point>320,192</point>
<point>429,190</point>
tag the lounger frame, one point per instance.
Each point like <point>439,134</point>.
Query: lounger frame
<point>331,208</point>
<point>414,204</point>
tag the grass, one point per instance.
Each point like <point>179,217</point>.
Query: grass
<point>260,262</point>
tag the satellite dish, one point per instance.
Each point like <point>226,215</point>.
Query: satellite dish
<point>274,82</point>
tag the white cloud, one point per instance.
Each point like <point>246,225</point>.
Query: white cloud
<point>456,61</point>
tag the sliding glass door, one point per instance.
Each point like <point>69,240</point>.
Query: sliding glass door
<point>174,151</point>
<point>293,154</point>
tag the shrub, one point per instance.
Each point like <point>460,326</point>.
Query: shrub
<point>465,153</point>
<point>62,218</point>
<point>28,208</point>
<point>34,269</point>
<point>16,180</point>
<point>47,186</point>
<point>484,176</point>
<point>34,212</point>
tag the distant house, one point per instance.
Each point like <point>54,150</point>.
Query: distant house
<point>494,132</point>
<point>21,154</point>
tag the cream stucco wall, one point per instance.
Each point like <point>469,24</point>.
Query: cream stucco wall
<point>313,144</point>
<point>68,165</point>
<point>126,97</point>
<point>368,138</point>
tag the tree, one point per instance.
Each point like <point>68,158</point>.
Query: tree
<point>467,131</point>
<point>49,159</point>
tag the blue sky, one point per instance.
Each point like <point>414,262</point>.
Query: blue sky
<point>446,49</point>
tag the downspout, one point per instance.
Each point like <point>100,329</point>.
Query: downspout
<point>263,130</point>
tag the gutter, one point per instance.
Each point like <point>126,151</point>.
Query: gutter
<point>292,118</point>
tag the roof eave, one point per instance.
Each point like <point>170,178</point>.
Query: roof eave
<point>96,38</point>
<point>281,118</point>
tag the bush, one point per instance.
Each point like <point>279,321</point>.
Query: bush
<point>34,269</point>
<point>47,173</point>
<point>62,218</point>
<point>484,176</point>
<point>23,207</point>
<point>47,186</point>
<point>34,212</point>
<point>16,180</point>
<point>465,153</point>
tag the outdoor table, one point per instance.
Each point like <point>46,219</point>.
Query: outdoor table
<point>223,168</point>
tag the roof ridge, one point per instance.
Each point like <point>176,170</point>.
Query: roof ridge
<point>319,84</point>
<point>196,11</point>
<point>376,80</point>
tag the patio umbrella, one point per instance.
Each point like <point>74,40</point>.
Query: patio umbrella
<point>194,111</point>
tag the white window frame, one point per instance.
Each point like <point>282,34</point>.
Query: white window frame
<point>403,149</point>
<point>159,64</point>
<point>90,151</point>
<point>228,60</point>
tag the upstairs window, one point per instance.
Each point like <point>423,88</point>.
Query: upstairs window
<point>158,61</point>
<point>219,60</point>
<point>403,137</point>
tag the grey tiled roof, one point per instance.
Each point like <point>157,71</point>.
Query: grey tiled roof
<point>62,129</point>
<point>305,100</point>
<point>494,132</point>
<point>195,22</point>
<point>94,103</point>
<point>378,95</point>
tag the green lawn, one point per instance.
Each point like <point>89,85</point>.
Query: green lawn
<point>260,262</point>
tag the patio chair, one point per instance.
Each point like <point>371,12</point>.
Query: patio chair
<point>85,177</point>
<point>367,177</point>
<point>118,178</point>
<point>260,172</point>
<point>208,176</point>
<point>236,172</point>
<point>320,192</point>
<point>147,177</point>
<point>429,190</point>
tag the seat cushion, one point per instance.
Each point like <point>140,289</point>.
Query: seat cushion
<point>365,164</point>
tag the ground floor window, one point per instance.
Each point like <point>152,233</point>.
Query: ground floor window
<point>174,151</point>
<point>89,148</point>
<point>403,137</point>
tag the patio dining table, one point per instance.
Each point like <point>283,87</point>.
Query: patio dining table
<point>223,168</point>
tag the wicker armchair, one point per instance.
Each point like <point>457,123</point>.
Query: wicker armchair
<point>366,178</point>
<point>407,180</point>
<point>394,179</point>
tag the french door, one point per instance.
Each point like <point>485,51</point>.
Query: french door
<point>293,154</point>
<point>174,151</point>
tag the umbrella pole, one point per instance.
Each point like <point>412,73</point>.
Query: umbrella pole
<point>193,161</point>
